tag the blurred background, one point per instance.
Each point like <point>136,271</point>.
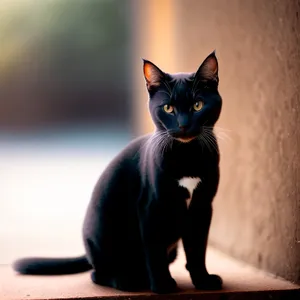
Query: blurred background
<point>72,95</point>
<point>65,111</point>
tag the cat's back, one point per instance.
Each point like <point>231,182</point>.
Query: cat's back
<point>127,161</point>
<point>132,152</point>
<point>121,178</point>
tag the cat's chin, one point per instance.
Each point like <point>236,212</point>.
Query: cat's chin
<point>185,139</point>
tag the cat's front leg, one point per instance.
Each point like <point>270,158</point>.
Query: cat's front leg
<point>153,231</point>
<point>195,237</point>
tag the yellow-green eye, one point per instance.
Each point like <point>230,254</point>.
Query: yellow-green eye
<point>168,108</point>
<point>198,106</point>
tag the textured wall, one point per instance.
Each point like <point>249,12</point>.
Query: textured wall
<point>257,209</point>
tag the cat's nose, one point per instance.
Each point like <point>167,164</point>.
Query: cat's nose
<point>183,122</point>
<point>183,127</point>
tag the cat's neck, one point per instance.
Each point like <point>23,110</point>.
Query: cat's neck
<point>166,153</point>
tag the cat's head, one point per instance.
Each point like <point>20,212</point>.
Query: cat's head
<point>183,104</point>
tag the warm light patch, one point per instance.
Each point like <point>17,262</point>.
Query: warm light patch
<point>148,71</point>
<point>153,74</point>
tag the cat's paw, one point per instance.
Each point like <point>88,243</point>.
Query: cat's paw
<point>164,286</point>
<point>208,282</point>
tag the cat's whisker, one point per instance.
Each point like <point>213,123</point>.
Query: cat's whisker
<point>222,129</point>
<point>201,142</point>
<point>155,140</point>
<point>169,142</point>
<point>223,136</point>
<point>219,127</point>
<point>220,138</point>
<point>159,141</point>
<point>212,144</point>
<point>220,132</point>
<point>209,137</point>
<point>165,146</point>
<point>205,143</point>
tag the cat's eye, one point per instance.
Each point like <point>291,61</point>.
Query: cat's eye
<point>168,108</point>
<point>198,105</point>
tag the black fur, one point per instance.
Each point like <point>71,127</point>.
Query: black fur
<point>138,210</point>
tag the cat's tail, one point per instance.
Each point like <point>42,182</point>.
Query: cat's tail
<point>52,266</point>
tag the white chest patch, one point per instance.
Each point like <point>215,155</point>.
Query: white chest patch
<point>190,183</point>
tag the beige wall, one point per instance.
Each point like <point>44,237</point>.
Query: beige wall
<point>154,39</point>
<point>257,209</point>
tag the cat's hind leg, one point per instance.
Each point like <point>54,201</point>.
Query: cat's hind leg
<point>172,254</point>
<point>122,283</point>
<point>128,272</point>
<point>132,273</point>
<point>130,282</point>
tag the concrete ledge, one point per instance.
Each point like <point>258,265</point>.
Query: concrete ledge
<point>240,282</point>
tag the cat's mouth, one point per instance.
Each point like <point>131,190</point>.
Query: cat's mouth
<point>184,136</point>
<point>185,139</point>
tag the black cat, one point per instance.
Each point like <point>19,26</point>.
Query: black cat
<point>159,189</point>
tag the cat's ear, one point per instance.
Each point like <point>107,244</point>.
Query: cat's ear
<point>208,71</point>
<point>153,75</point>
